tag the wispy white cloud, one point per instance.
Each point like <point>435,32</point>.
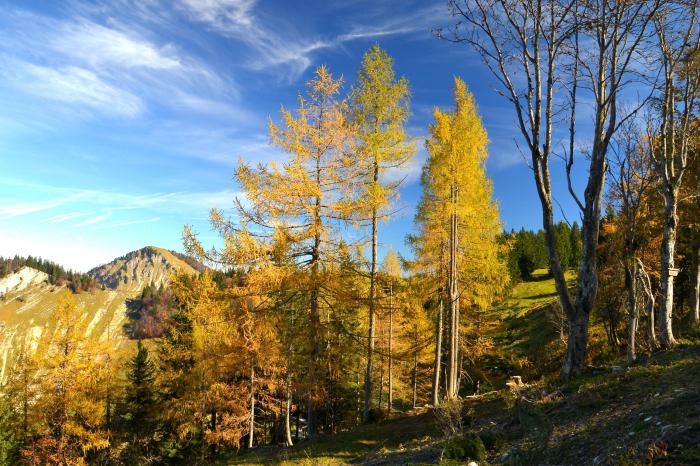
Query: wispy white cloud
<point>98,45</point>
<point>108,65</point>
<point>71,84</point>
<point>65,217</point>
<point>415,20</point>
<point>96,219</point>
<point>134,222</point>
<point>9,209</point>
<point>100,205</point>
<point>275,45</point>
<point>237,19</point>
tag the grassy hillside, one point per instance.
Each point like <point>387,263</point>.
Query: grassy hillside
<point>646,414</point>
<point>25,315</point>
<point>25,311</point>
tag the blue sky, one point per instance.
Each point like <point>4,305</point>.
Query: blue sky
<point>120,121</point>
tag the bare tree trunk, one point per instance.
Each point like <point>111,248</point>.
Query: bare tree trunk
<point>668,246</point>
<point>651,321</point>
<point>288,410</point>
<point>251,420</point>
<point>453,349</point>
<point>372,311</point>
<point>438,355</point>
<point>315,353</point>
<point>695,280</point>
<point>415,377</point>
<point>380,394</point>
<point>631,287</point>
<point>678,38</point>
<point>391,337</point>
<point>315,318</point>
<point>651,303</point>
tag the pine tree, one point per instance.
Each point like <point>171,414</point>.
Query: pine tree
<point>140,395</point>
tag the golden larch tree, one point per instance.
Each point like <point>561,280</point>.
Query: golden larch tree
<point>379,109</point>
<point>458,219</point>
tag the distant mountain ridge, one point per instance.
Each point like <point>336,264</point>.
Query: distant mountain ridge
<point>149,265</point>
<point>28,298</point>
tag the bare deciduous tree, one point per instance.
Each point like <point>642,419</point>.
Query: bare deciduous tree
<point>678,37</point>
<point>532,49</point>
<point>630,182</point>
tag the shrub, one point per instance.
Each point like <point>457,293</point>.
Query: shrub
<point>492,441</point>
<point>375,415</point>
<point>465,447</point>
<point>450,417</point>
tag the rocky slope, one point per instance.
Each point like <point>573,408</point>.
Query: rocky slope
<point>139,268</point>
<point>21,280</point>
<point>27,299</point>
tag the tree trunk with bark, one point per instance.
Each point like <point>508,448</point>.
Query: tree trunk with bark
<point>372,309</point>
<point>288,411</point>
<point>251,418</point>
<point>632,313</point>
<point>668,246</point>
<point>391,338</point>
<point>438,354</point>
<point>415,377</point>
<point>695,279</point>
<point>315,317</point>
<point>380,394</point>
<point>452,286</point>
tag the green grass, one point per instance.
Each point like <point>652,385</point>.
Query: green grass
<point>526,339</point>
<point>409,438</point>
<point>536,292</point>
<point>645,414</point>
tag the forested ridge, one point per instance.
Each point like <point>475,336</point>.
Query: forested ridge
<point>303,325</point>
<point>57,274</point>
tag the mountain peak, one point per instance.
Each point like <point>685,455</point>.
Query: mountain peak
<point>148,265</point>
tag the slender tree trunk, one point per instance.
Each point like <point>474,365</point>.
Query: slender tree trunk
<point>315,318</point>
<point>438,355</point>
<point>695,279</point>
<point>358,417</point>
<point>668,245</point>
<point>315,353</point>
<point>452,361</point>
<point>380,395</point>
<point>651,321</point>
<point>372,310</point>
<point>251,420</point>
<point>651,304</point>
<point>415,377</point>
<point>288,410</point>
<point>631,287</point>
<point>298,421</point>
<point>391,338</point>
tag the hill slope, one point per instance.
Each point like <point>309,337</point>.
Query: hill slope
<point>649,414</point>
<point>28,299</point>
<point>646,414</point>
<point>138,268</point>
